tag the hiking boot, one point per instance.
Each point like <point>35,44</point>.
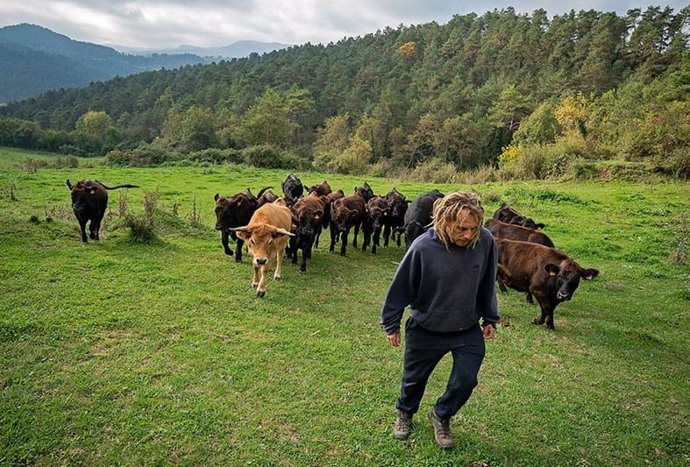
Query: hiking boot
<point>444,437</point>
<point>403,425</point>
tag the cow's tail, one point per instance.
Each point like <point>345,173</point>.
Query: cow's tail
<point>262,191</point>
<point>117,186</point>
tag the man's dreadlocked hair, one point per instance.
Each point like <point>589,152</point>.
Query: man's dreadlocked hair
<point>447,210</point>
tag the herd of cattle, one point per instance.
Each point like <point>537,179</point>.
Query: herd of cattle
<point>270,225</point>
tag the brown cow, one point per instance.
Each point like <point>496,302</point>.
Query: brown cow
<point>267,235</point>
<point>89,200</point>
<point>308,213</point>
<point>548,274</point>
<point>509,215</point>
<point>375,216</point>
<point>396,218</point>
<point>322,189</point>
<point>515,232</point>
<point>326,221</point>
<point>346,213</point>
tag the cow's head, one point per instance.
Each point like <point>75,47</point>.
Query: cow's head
<point>378,211</point>
<point>364,191</point>
<point>84,193</point>
<point>527,222</point>
<point>412,231</point>
<point>226,209</point>
<point>398,204</point>
<point>342,215</point>
<point>308,221</point>
<point>567,276</point>
<point>261,241</point>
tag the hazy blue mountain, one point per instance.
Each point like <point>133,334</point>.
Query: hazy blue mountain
<point>237,49</point>
<point>34,59</point>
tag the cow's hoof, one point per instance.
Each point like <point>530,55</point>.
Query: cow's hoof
<point>550,327</point>
<point>229,252</point>
<point>238,259</point>
<point>276,277</point>
<point>302,270</point>
<point>261,294</point>
<point>255,285</point>
<point>537,321</point>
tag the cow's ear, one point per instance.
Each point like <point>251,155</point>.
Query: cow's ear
<point>92,191</point>
<point>243,233</point>
<point>589,274</point>
<point>215,197</point>
<point>551,269</point>
<point>318,213</point>
<point>280,232</point>
<point>540,226</point>
<point>69,185</point>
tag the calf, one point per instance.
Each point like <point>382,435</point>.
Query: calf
<point>322,189</point>
<point>267,235</point>
<point>346,213</point>
<point>234,212</point>
<point>548,274</point>
<point>396,217</point>
<point>89,200</point>
<point>510,216</point>
<point>418,216</point>
<point>266,196</point>
<point>375,216</point>
<point>292,189</point>
<point>308,212</point>
<point>515,232</point>
<point>326,221</point>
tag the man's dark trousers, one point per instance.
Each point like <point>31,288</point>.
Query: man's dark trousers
<point>423,350</point>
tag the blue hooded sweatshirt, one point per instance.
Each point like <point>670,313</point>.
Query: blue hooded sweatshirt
<point>447,289</point>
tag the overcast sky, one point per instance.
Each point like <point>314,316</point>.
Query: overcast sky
<point>210,23</point>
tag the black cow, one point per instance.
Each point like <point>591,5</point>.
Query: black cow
<point>418,215</point>
<point>510,216</point>
<point>89,200</point>
<point>346,213</point>
<point>548,274</point>
<point>292,189</point>
<point>395,220</point>
<point>232,212</point>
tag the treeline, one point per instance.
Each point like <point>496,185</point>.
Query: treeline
<point>533,95</point>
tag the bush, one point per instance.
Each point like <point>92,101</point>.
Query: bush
<point>217,156</point>
<point>140,157</point>
<point>435,171</point>
<point>269,157</point>
<point>142,230</point>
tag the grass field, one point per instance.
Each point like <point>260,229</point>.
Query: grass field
<point>124,353</point>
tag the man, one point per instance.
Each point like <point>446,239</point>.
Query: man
<point>447,278</point>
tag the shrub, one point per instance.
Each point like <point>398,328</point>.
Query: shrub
<point>141,229</point>
<point>268,156</point>
<point>435,171</point>
<point>217,156</point>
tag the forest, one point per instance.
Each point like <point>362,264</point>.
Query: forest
<point>502,94</point>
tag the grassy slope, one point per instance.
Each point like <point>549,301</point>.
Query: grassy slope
<point>116,352</point>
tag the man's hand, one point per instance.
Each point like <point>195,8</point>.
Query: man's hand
<point>489,331</point>
<point>394,339</point>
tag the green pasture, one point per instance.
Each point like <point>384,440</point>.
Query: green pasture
<point>125,353</point>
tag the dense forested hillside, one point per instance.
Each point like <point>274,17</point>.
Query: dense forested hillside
<point>534,94</point>
<point>36,59</point>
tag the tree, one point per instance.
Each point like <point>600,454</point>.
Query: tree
<point>509,109</point>
<point>540,127</point>
<point>268,121</point>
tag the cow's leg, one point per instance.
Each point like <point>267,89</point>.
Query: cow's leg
<point>261,289</point>
<point>279,265</point>
<point>367,239</point>
<point>386,234</point>
<point>528,297</point>
<point>547,307</point>
<point>343,243</point>
<point>306,253</point>
<point>238,250</point>
<point>317,236</point>
<point>549,321</point>
<point>82,226</point>
<point>398,240</point>
<point>377,238</point>
<point>96,226</point>
<point>334,238</point>
<point>255,276</point>
<point>354,240</point>
<point>224,241</point>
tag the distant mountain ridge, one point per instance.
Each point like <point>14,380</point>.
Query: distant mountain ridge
<point>35,59</point>
<point>237,49</point>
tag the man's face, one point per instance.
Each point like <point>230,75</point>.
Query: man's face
<point>463,230</point>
